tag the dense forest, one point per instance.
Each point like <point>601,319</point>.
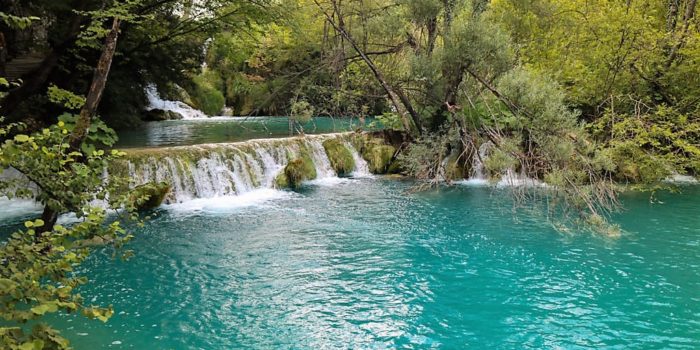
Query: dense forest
<point>586,96</point>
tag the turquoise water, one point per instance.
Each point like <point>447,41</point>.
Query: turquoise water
<point>225,129</point>
<point>363,264</point>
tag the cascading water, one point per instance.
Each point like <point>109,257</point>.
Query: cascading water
<point>217,170</point>
<point>361,166</point>
<point>510,178</point>
<point>181,108</point>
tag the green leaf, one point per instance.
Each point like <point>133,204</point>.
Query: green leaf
<point>21,138</point>
<point>44,308</point>
<point>37,344</point>
<point>6,284</point>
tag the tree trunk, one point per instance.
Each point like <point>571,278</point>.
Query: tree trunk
<point>3,54</point>
<point>82,125</point>
<point>398,98</point>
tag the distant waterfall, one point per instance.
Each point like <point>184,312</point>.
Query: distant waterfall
<point>215,170</point>
<point>156,102</point>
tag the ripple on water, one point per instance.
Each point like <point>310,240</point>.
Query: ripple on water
<point>366,264</point>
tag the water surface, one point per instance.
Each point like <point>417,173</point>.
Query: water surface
<point>361,263</point>
<point>226,129</point>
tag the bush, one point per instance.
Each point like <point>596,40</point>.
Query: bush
<point>207,95</point>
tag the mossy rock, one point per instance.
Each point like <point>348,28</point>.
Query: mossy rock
<point>296,172</point>
<point>455,168</point>
<point>395,168</point>
<point>340,157</point>
<point>281,181</point>
<point>161,115</point>
<point>150,195</point>
<point>379,157</point>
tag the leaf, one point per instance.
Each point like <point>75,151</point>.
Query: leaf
<point>37,344</point>
<point>44,308</point>
<point>6,284</point>
<point>21,138</point>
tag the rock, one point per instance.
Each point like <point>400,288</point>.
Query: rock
<point>157,115</point>
<point>340,157</point>
<point>379,157</point>
<point>150,195</point>
<point>296,172</point>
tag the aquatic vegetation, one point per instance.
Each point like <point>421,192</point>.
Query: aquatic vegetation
<point>150,195</point>
<point>340,156</point>
<point>299,170</point>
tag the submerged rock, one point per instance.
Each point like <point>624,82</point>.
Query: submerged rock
<point>340,157</point>
<point>150,195</point>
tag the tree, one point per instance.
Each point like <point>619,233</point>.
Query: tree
<point>62,169</point>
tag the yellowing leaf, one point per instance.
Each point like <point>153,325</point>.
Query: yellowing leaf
<point>21,138</point>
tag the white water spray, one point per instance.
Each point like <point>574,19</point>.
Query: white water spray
<point>179,107</point>
<point>234,169</point>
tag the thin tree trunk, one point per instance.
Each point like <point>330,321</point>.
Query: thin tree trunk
<point>82,125</point>
<point>397,97</point>
<point>687,18</point>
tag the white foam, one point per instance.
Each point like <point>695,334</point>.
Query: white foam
<point>511,179</point>
<point>361,166</point>
<point>475,182</point>
<point>261,197</point>
<point>18,208</point>
<point>329,181</point>
<point>681,179</point>
<point>156,102</point>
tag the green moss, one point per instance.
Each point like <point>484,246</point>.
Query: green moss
<point>395,167</point>
<point>281,181</point>
<point>379,157</point>
<point>455,168</point>
<point>340,157</point>
<point>298,170</point>
<point>207,95</point>
<point>150,195</point>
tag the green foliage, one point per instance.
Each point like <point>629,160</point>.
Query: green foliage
<point>65,98</point>
<point>207,95</point>
<point>340,157</point>
<point>301,112</point>
<point>378,156</point>
<point>650,146</point>
<point>17,21</point>
<point>99,134</point>
<point>456,168</point>
<point>387,120</point>
<point>423,159</point>
<point>38,276</point>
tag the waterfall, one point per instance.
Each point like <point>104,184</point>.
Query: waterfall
<point>478,173</point>
<point>361,166</point>
<point>181,108</point>
<point>231,169</point>
<point>509,178</point>
<point>478,170</point>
